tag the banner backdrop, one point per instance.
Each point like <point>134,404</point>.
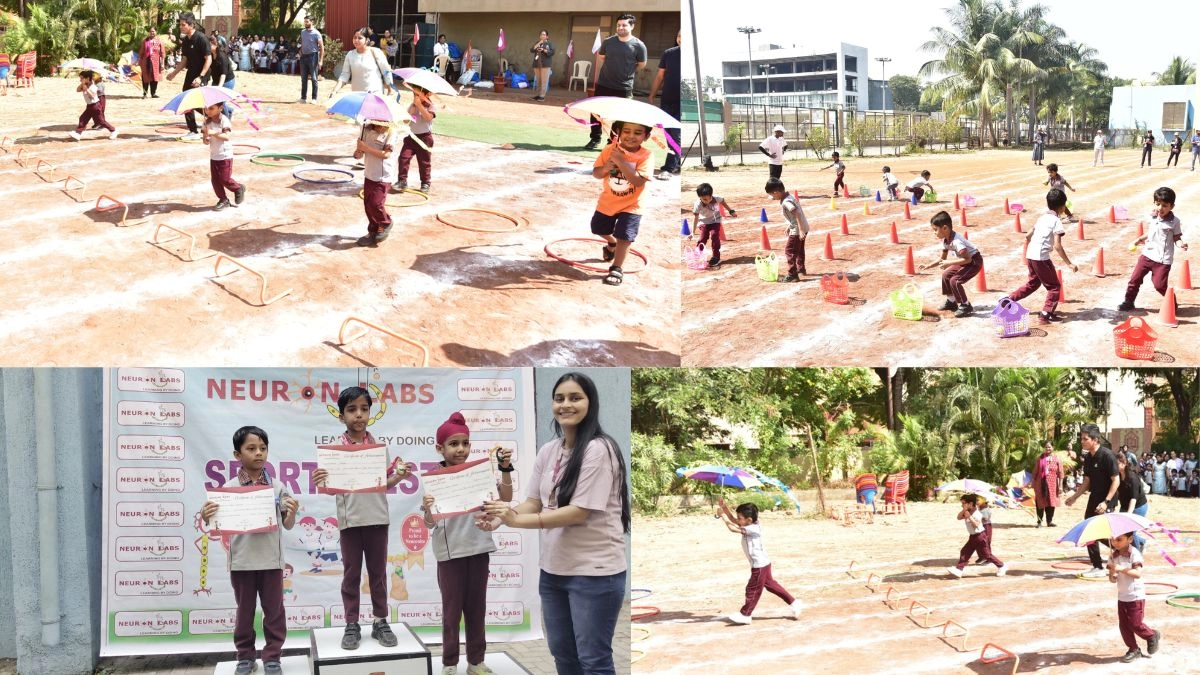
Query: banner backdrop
<point>168,435</point>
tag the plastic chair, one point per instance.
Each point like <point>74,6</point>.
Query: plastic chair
<point>503,66</point>
<point>26,63</point>
<point>442,63</point>
<point>865,487</point>
<point>895,493</point>
<point>580,71</point>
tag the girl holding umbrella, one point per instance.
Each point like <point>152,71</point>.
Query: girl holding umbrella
<point>1047,484</point>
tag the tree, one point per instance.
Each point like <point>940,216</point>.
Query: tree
<point>818,141</point>
<point>1173,390</point>
<point>863,133</point>
<point>906,92</point>
<point>1179,71</point>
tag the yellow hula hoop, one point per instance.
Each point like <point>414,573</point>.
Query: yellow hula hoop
<point>400,205</point>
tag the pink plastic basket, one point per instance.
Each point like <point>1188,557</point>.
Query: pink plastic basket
<point>1120,213</point>
<point>694,257</point>
<point>1134,339</point>
<point>835,288</point>
<point>1010,318</point>
<point>1016,208</point>
<point>968,202</point>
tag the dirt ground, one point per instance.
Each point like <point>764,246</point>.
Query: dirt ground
<point>1054,621</point>
<point>110,295</point>
<point>790,324</point>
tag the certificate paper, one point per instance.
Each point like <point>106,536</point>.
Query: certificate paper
<point>353,468</point>
<point>460,489</point>
<point>244,510</point>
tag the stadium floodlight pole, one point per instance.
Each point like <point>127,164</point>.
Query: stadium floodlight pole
<point>883,60</point>
<point>705,159</point>
<point>750,30</point>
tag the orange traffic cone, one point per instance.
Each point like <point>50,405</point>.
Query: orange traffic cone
<point>981,280</point>
<point>1007,212</point>
<point>895,235</point>
<point>1167,314</point>
<point>796,194</point>
<point>907,212</point>
<point>1141,229</point>
<point>867,208</point>
<point>1112,214</point>
<point>828,255</point>
<point>962,217</point>
<point>1185,277</point>
<point>845,191</point>
<point>765,242</point>
<point>955,201</point>
<point>909,267</point>
<point>966,235</point>
<point>1017,224</point>
<point>1079,231</point>
<point>845,225</point>
<point>1025,250</point>
<point>1062,293</point>
<point>1098,268</point>
<point>721,206</point>
<point>721,232</point>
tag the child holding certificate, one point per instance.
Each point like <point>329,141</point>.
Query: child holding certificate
<point>363,522</point>
<point>462,552</point>
<point>255,561</point>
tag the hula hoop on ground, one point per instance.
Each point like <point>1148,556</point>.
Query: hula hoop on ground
<point>172,129</point>
<point>153,121</point>
<point>645,591</point>
<point>1071,565</point>
<point>1080,576</point>
<point>516,221</point>
<point>1191,596</point>
<point>1167,588</point>
<point>255,150</point>
<point>181,139</point>
<point>293,160</point>
<point>584,266</point>
<point>400,205</point>
<point>348,176</point>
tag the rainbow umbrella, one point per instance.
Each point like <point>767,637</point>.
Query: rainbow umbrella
<point>722,476</point>
<point>84,64</point>
<point>200,97</point>
<point>425,79</point>
<point>1103,527</point>
<point>362,105</point>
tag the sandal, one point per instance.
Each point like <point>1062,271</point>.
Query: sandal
<point>608,252</point>
<point>615,276</point>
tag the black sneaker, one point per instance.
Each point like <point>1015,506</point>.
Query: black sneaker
<point>1152,643</point>
<point>383,233</point>
<point>1125,307</point>
<point>789,279</point>
<point>272,668</point>
<point>1048,318</point>
<point>221,205</point>
<point>425,188</point>
<point>245,667</point>
<point>1131,656</point>
<point>382,632</point>
<point>714,262</point>
<point>369,240</point>
<point>352,636</point>
<point>402,185</point>
<point>591,145</point>
<point>239,195</point>
<point>949,306</point>
<point>964,309</point>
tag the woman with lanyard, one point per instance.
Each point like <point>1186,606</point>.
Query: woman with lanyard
<point>543,52</point>
<point>1047,484</point>
<point>1131,492</point>
<point>365,68</point>
<point>579,499</point>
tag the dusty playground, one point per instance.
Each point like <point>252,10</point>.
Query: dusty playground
<point>83,289</point>
<point>731,316</point>
<point>1055,622</point>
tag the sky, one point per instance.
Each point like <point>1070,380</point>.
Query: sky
<point>819,25</point>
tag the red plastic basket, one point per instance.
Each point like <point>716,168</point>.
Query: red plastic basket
<point>835,288</point>
<point>1134,339</point>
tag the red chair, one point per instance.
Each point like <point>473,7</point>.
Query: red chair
<point>895,493</point>
<point>865,488</point>
<point>26,63</point>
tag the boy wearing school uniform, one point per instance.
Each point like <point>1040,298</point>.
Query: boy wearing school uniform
<point>1046,235</point>
<point>1158,255</point>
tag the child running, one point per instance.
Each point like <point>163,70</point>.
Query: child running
<point>839,168</point>
<point>797,229</point>
<point>746,524</point>
<point>215,132</point>
<point>919,185</point>
<point>376,144</point>
<point>962,268</point>
<point>707,211</point>
<point>976,541</point>
<point>88,81</point>
<point>462,545</point>
<point>625,167</point>
<point>419,140</point>
<point>892,183</point>
<point>1125,570</point>
<point>1056,180</point>
<point>1158,255</point>
<point>1046,235</point>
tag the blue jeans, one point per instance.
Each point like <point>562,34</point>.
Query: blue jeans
<point>308,71</point>
<point>1138,540</point>
<point>228,109</point>
<point>580,614</point>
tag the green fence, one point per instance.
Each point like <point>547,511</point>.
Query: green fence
<point>712,111</point>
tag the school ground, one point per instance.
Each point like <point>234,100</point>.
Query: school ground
<point>474,288</point>
<point>1054,621</point>
<point>731,316</point>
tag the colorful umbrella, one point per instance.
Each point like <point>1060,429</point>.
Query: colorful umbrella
<point>613,108</point>
<point>722,476</point>
<point>200,97</point>
<point>84,64</point>
<point>425,79</point>
<point>1103,527</point>
<point>362,105</point>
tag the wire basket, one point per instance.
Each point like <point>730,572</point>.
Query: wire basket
<point>1134,339</point>
<point>694,258</point>
<point>930,197</point>
<point>835,288</point>
<point>968,202</point>
<point>907,302</point>
<point>864,191</point>
<point>1010,319</point>
<point>767,266</point>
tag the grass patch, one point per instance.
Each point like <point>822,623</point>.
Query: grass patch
<point>524,136</point>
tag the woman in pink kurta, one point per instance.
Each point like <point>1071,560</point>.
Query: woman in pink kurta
<point>150,58</point>
<point>1047,484</point>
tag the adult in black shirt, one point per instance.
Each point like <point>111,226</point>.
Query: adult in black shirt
<point>1131,495</point>
<point>197,59</point>
<point>668,79</point>
<point>1101,478</point>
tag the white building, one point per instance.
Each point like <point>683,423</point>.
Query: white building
<point>1165,110</point>
<point>801,77</point>
<point>1122,419</point>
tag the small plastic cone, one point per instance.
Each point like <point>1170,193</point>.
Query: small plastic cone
<point>1079,231</point>
<point>1167,314</point>
<point>1098,268</point>
<point>796,194</point>
<point>685,230</point>
<point>966,235</point>
<point>956,201</point>
<point>962,217</point>
<point>895,235</point>
<point>845,225</point>
<point>721,206</point>
<point>828,254</point>
<point>981,280</point>
<point>914,199</point>
<point>1185,277</point>
<point>1017,224</point>
<point>1062,293</point>
<point>910,268</point>
<point>907,212</point>
<point>1007,212</point>
<point>833,203</point>
<point>1112,214</point>
<point>866,208</point>
<point>762,217</point>
<point>878,197</point>
<point>765,242</point>
<point>1141,229</point>
<point>721,232</point>
<point>845,191</point>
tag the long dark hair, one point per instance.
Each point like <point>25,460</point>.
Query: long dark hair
<point>588,430</point>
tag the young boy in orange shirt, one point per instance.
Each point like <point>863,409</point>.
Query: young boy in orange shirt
<point>624,166</point>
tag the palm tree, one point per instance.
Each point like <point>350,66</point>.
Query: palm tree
<point>1070,78</point>
<point>1180,71</point>
<point>1027,32</point>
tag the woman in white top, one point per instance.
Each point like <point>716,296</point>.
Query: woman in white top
<point>365,68</point>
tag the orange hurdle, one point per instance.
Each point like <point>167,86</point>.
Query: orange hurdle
<point>965,634</point>
<point>113,205</point>
<point>190,237</point>
<point>5,142</point>
<point>37,168</point>
<point>925,616</point>
<point>1005,654</point>
<point>343,339</point>
<point>850,570</point>
<point>877,579</point>
<point>21,158</point>
<point>67,186</point>
<point>893,603</point>
<point>262,289</point>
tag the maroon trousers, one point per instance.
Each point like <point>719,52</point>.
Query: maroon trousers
<point>955,276</point>
<point>715,231</point>
<point>424,157</point>
<point>1130,616</point>
<point>1041,273</point>
<point>794,250</point>
<point>1159,273</point>
<point>221,171</point>
<point>761,579</point>
<point>93,113</point>
<point>977,543</point>
<point>265,586</point>
<point>375,204</point>
<point>839,182</point>
<point>369,541</point>
<point>464,594</point>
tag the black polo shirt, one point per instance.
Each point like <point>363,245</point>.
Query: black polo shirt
<point>195,49</point>
<point>1099,467</point>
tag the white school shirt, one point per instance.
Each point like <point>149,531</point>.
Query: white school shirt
<point>710,213</point>
<point>889,179</point>
<point>752,546</point>
<point>974,523</point>
<point>917,182</point>
<point>1160,239</point>
<point>1098,142</point>
<point>839,167</point>
<point>379,169</point>
<point>957,243</point>
<point>1181,483</point>
<point>794,216</point>
<point>1041,241</point>
<point>1129,589</point>
<point>775,146</point>
<point>218,149</point>
<point>91,95</point>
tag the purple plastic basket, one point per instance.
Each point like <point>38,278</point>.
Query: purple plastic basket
<point>1010,318</point>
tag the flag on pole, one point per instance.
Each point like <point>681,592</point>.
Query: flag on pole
<point>596,44</point>
<point>500,45</point>
<point>466,62</point>
<point>570,50</point>
<point>416,33</point>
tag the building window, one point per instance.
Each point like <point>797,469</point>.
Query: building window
<point>1174,116</point>
<point>1101,400</point>
<point>851,63</point>
<point>851,84</point>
